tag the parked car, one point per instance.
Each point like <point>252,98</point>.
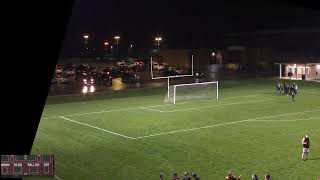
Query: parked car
<point>70,71</point>
<point>169,72</point>
<point>58,69</point>
<point>105,80</point>
<point>121,63</point>
<point>158,66</point>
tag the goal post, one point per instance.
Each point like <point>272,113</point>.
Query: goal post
<point>194,91</point>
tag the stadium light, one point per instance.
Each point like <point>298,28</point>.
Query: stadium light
<point>86,38</point>
<point>158,39</point>
<point>213,54</point>
<point>117,39</point>
<point>85,90</point>
<point>106,43</point>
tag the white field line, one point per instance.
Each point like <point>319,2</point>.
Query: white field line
<point>223,124</point>
<point>134,108</point>
<point>57,177</point>
<point>114,133</point>
<point>287,120</point>
<point>149,109</point>
<point>226,104</point>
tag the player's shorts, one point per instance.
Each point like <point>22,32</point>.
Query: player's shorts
<point>305,150</point>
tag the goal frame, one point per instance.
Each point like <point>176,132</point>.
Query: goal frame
<point>192,84</point>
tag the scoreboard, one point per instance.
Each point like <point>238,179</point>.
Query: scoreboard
<point>27,165</point>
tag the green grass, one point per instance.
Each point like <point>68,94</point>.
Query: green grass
<point>242,131</point>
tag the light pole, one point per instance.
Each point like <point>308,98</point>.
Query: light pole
<point>86,38</point>
<point>86,44</point>
<point>158,39</point>
<point>106,47</point>
<point>117,40</point>
<point>213,54</point>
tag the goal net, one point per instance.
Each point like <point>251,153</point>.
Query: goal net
<point>192,91</point>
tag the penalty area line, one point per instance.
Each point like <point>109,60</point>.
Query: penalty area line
<point>229,123</point>
<point>88,125</point>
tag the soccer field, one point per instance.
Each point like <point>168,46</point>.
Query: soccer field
<point>134,135</point>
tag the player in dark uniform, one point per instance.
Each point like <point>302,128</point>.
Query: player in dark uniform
<point>161,176</point>
<point>254,177</point>
<point>278,87</point>
<point>292,91</point>
<point>195,176</point>
<point>285,89</point>
<point>186,176</point>
<point>267,177</point>
<point>175,176</point>
<point>305,147</point>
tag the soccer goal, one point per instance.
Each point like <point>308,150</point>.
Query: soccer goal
<point>193,91</point>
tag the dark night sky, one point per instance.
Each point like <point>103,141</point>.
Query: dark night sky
<point>181,24</point>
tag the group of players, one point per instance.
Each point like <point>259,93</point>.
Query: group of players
<point>284,88</point>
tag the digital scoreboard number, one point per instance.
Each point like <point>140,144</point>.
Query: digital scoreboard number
<point>27,165</point>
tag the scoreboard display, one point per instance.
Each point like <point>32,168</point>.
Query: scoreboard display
<point>27,165</point>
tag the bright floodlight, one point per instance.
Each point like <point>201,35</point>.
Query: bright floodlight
<point>158,38</point>
<point>117,37</point>
<point>106,43</point>
<point>92,89</point>
<point>86,36</point>
<point>131,45</point>
<point>85,89</point>
<point>213,54</point>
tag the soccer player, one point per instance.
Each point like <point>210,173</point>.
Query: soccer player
<point>231,176</point>
<point>292,91</point>
<point>194,175</point>
<point>267,177</point>
<point>175,176</point>
<point>286,89</point>
<point>161,176</point>
<point>305,147</point>
<point>254,177</point>
<point>278,87</point>
<point>186,176</point>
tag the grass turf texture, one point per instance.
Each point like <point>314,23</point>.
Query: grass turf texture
<point>248,130</point>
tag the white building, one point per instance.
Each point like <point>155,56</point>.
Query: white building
<point>297,70</point>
